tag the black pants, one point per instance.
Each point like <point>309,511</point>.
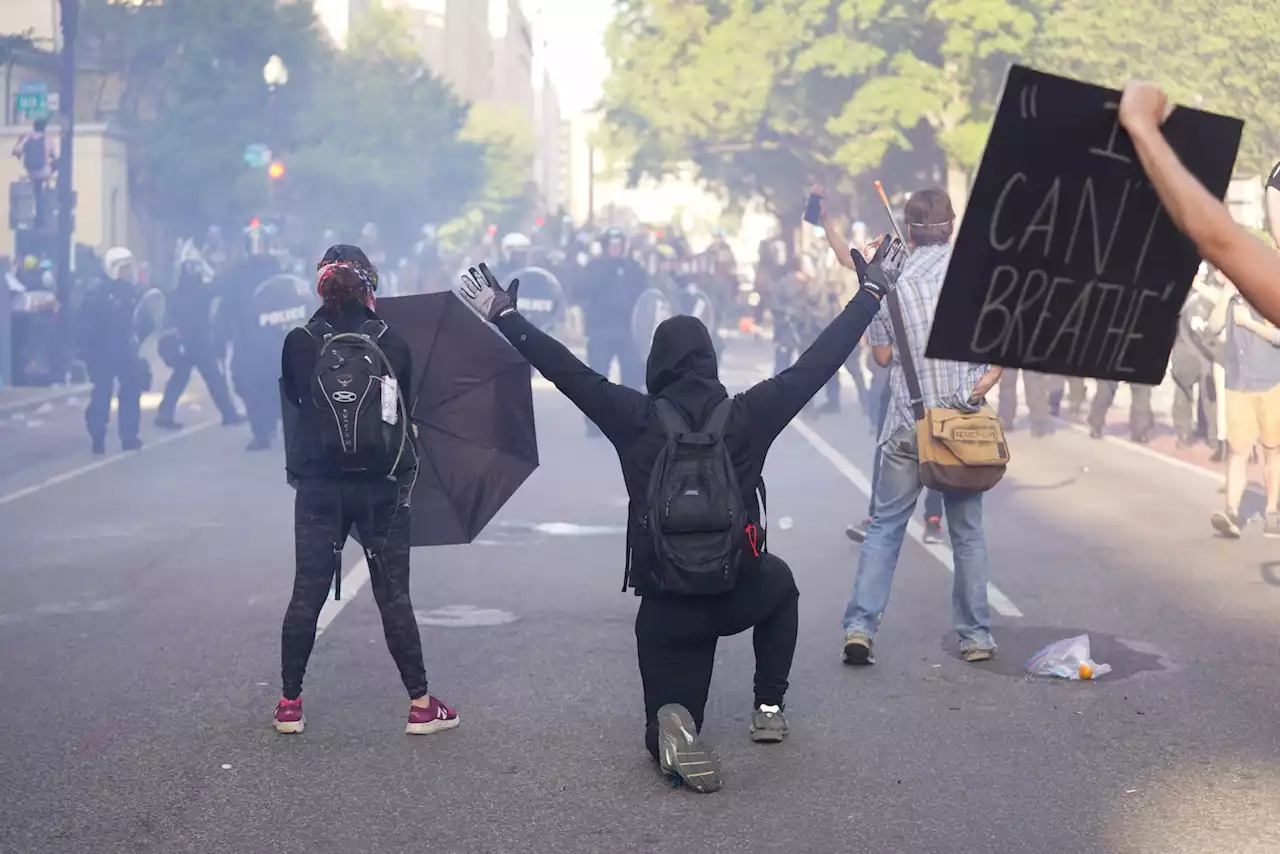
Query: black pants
<point>601,349</point>
<point>1190,369</point>
<point>1141,418</point>
<point>1037,388</point>
<point>676,641</point>
<point>324,511</point>
<point>210,371</point>
<point>261,395</point>
<point>97,414</point>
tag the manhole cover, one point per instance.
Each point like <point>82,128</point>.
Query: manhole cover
<point>464,617</point>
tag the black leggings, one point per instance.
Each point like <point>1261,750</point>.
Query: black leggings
<point>676,640</point>
<point>323,514</point>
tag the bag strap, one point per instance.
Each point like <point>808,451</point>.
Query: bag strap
<point>905,359</point>
<point>319,329</point>
<point>374,328</point>
<point>671,420</point>
<point>719,418</point>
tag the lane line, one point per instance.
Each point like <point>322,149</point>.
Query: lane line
<point>103,463</point>
<point>1002,604</point>
<point>354,580</point>
<point>1216,477</point>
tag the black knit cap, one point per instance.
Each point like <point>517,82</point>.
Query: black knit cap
<point>345,253</point>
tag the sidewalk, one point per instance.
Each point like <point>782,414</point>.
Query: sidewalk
<point>20,397</point>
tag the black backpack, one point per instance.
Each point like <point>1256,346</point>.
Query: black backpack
<point>346,387</point>
<point>697,519</point>
<point>33,154</point>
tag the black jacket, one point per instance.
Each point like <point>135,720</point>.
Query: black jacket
<point>297,364</point>
<point>108,334</point>
<point>610,288</point>
<point>682,368</point>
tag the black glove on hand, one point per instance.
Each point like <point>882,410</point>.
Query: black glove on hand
<point>481,291</point>
<point>859,266</point>
<point>885,267</point>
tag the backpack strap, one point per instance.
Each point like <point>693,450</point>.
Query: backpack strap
<point>319,329</point>
<point>719,418</point>
<point>671,420</point>
<point>373,328</point>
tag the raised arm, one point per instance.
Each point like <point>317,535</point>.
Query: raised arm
<point>1247,261</point>
<point>615,409</point>
<point>773,403</point>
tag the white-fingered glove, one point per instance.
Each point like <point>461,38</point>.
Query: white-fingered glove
<point>480,290</point>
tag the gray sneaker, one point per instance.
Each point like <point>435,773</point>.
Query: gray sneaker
<point>858,531</point>
<point>768,724</point>
<point>1272,528</point>
<point>680,752</point>
<point>1226,523</point>
<point>857,649</point>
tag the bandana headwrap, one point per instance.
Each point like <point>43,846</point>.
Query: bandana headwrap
<point>368,277</point>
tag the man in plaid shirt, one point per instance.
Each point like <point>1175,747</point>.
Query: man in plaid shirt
<point>952,385</point>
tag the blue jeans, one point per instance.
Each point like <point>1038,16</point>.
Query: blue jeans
<point>896,492</point>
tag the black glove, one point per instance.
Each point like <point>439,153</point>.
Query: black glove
<point>481,291</point>
<point>885,267</point>
<point>859,265</point>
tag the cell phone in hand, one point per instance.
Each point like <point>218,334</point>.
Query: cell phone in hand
<point>813,210</point>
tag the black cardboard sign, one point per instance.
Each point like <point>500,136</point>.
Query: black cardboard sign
<point>1066,263</point>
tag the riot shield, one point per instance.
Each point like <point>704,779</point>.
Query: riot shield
<point>651,308</point>
<point>148,315</point>
<point>541,298</point>
<point>280,303</point>
<point>695,303</point>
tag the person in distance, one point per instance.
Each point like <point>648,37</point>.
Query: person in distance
<point>691,460</point>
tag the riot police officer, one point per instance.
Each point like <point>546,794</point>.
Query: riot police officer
<point>111,331</point>
<point>191,343</point>
<point>517,251</point>
<point>259,306</point>
<point>611,285</point>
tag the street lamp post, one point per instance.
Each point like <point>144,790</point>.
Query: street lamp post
<point>275,74</point>
<point>66,187</point>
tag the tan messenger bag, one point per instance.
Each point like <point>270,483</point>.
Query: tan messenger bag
<point>958,451</point>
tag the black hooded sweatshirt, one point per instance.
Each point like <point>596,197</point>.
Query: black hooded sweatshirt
<point>682,368</point>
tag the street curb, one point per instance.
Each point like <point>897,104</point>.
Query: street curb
<point>38,399</point>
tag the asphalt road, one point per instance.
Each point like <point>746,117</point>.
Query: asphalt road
<point>139,661</point>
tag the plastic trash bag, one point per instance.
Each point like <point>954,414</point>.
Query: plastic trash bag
<point>1067,659</point>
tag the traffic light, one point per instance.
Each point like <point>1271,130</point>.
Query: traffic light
<point>275,171</point>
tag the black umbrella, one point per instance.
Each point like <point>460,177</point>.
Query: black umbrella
<point>474,413</point>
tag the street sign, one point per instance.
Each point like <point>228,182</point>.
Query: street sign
<point>257,156</point>
<point>32,101</point>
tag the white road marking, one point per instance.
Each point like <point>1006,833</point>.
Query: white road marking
<point>1000,602</point>
<point>102,463</point>
<point>1216,477</point>
<point>355,578</point>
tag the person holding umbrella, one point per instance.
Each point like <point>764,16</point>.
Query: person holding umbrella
<point>353,463</point>
<point>692,459</point>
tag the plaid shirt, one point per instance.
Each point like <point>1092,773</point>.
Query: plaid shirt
<point>944,384</point>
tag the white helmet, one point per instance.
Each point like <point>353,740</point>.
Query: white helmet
<point>514,242</point>
<point>116,259</point>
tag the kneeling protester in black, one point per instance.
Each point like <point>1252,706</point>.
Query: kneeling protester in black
<point>692,458</point>
<point>354,464</point>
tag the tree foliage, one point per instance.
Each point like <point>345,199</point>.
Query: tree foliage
<point>1222,56</point>
<point>764,96</point>
<point>741,89</point>
<point>381,141</point>
<point>366,134</point>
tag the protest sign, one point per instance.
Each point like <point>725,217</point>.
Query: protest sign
<point>1066,263</point>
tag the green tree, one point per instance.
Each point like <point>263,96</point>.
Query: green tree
<point>184,79</point>
<point>1222,56</point>
<point>742,90</point>
<point>945,62</point>
<point>506,198</point>
<point>381,141</point>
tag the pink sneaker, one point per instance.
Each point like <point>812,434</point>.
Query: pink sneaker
<point>288,717</point>
<point>433,717</point>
